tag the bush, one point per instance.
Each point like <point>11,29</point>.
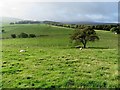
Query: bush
<point>13,35</point>
<point>23,35</point>
<point>113,29</point>
<point>32,35</point>
<point>3,31</point>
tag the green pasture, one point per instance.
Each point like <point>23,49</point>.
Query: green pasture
<point>50,61</point>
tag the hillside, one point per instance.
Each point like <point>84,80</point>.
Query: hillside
<point>53,31</point>
<point>7,20</point>
<point>50,62</point>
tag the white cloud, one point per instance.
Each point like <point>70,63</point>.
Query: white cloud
<point>60,0</point>
<point>95,17</point>
<point>60,11</point>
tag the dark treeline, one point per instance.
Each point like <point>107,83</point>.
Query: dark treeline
<point>107,27</point>
<point>79,26</point>
<point>26,22</point>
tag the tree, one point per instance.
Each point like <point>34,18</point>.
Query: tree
<point>32,35</point>
<point>115,29</point>
<point>13,35</point>
<point>11,23</point>
<point>3,31</point>
<point>118,30</point>
<point>23,35</point>
<point>84,35</point>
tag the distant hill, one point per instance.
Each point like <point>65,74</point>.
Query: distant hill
<point>78,22</point>
<point>88,23</point>
<point>7,20</point>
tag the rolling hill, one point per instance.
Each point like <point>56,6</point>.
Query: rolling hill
<point>50,62</point>
<point>7,20</point>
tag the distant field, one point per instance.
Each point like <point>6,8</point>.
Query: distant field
<point>38,29</point>
<point>50,61</point>
<point>57,35</point>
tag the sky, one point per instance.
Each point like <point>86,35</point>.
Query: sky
<point>62,11</point>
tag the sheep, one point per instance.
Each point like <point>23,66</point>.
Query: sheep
<point>81,48</point>
<point>22,51</point>
<point>115,33</point>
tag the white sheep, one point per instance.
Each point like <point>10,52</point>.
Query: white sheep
<point>22,51</point>
<point>115,33</point>
<point>81,48</point>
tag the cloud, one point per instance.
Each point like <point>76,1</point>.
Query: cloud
<point>63,11</point>
<point>61,0</point>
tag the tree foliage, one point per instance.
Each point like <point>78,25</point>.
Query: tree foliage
<point>85,35</point>
<point>3,31</point>
<point>32,35</point>
<point>115,29</point>
<point>13,35</point>
<point>23,35</point>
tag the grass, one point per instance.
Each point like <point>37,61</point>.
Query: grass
<point>107,40</point>
<point>50,62</point>
<point>38,29</point>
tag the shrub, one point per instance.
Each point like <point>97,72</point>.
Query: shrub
<point>3,31</point>
<point>113,29</point>
<point>32,35</point>
<point>13,35</point>
<point>23,35</point>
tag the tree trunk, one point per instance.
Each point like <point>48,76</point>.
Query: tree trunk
<point>84,43</point>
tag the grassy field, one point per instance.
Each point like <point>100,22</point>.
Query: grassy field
<point>50,62</point>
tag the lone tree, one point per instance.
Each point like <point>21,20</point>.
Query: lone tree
<point>84,35</point>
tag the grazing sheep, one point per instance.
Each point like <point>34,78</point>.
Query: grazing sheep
<point>22,51</point>
<point>115,33</point>
<point>81,48</point>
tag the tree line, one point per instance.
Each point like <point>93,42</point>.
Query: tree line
<point>23,35</point>
<point>107,27</point>
<point>26,22</point>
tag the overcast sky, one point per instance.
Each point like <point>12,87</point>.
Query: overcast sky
<point>62,11</point>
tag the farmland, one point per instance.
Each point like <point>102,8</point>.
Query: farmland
<point>50,61</point>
